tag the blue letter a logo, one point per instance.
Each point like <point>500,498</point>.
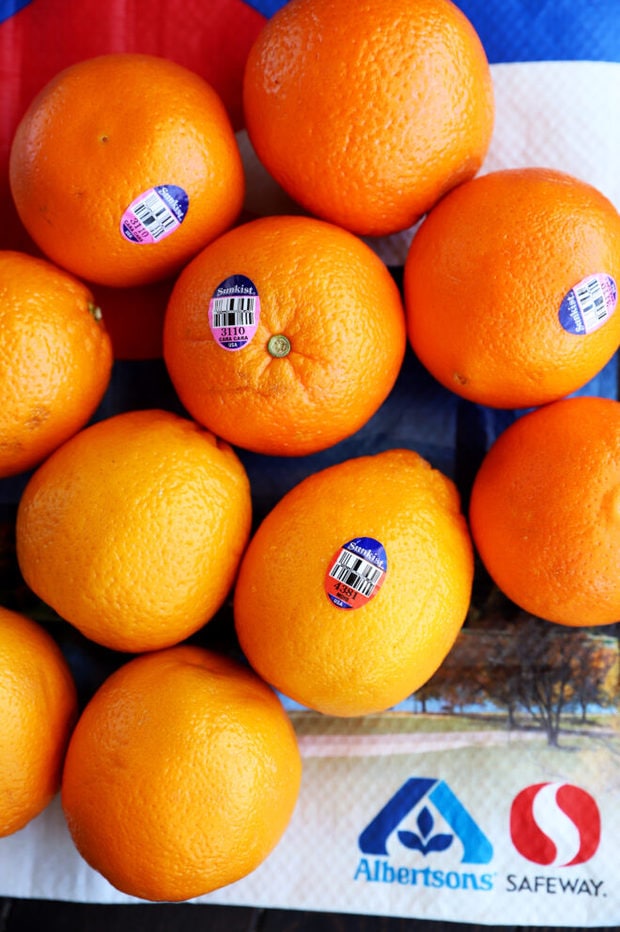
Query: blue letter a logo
<point>477,848</point>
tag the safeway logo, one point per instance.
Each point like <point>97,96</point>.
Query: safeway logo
<point>426,798</point>
<point>555,824</point>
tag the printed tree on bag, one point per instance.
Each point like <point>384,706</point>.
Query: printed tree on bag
<point>542,675</point>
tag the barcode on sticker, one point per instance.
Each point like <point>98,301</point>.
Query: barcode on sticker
<point>357,573</point>
<point>155,215</point>
<point>592,304</point>
<point>234,311</point>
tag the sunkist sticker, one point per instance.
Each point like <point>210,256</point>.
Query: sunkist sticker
<point>356,572</point>
<point>234,312</point>
<point>589,304</point>
<point>155,214</point>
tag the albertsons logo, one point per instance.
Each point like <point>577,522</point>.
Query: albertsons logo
<point>418,835</point>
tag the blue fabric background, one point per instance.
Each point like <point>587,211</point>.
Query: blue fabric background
<point>533,30</point>
<point>9,7</point>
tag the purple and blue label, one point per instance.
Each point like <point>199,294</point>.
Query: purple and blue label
<point>234,312</point>
<point>356,572</point>
<point>589,304</point>
<point>155,214</point>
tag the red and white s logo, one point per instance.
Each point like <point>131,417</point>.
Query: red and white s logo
<point>555,824</point>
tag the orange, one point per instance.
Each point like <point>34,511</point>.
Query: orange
<point>55,359</point>
<point>124,166</point>
<point>545,511</point>
<point>181,776</point>
<point>133,529</point>
<point>366,114</point>
<point>38,700</point>
<point>511,287</point>
<point>355,585</point>
<point>285,335</point>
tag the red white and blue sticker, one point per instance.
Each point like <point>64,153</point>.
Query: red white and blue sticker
<point>356,572</point>
<point>589,304</point>
<point>155,214</point>
<point>234,312</point>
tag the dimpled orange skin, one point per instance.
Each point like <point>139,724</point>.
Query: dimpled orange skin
<point>367,114</point>
<point>335,301</point>
<point>545,511</point>
<point>99,135</point>
<point>181,776</point>
<point>55,359</point>
<point>39,707</point>
<point>485,277</point>
<point>350,662</point>
<point>133,529</point>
